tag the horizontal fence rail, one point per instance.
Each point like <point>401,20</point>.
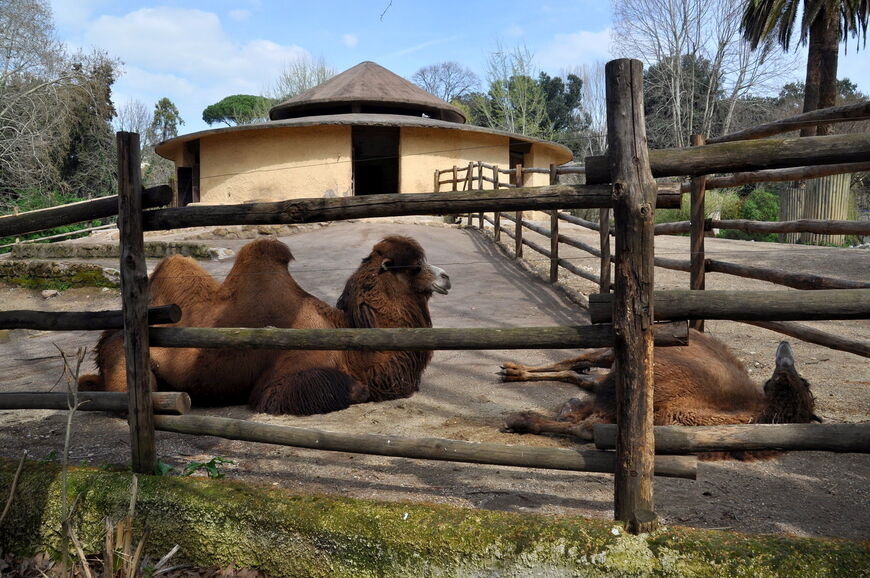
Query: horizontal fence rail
<point>747,305</point>
<point>417,448</point>
<point>849,112</point>
<point>732,157</point>
<point>84,320</point>
<point>168,402</point>
<point>410,339</point>
<point>836,437</point>
<point>779,175</point>
<point>315,210</point>
<point>33,221</point>
<point>820,226</point>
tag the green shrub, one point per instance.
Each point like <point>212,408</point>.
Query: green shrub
<point>759,205</point>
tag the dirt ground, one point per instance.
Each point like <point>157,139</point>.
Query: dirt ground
<point>808,494</point>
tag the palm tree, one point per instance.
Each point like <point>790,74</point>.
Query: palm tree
<point>825,23</point>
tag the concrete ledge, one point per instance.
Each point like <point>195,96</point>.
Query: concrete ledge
<point>54,275</point>
<point>219,522</point>
<point>153,250</point>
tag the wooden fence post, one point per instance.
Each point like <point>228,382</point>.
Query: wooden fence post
<point>518,237</point>
<point>604,244</point>
<point>134,293</point>
<point>696,254</point>
<point>634,192</point>
<point>497,218</point>
<point>554,231</point>
<point>437,185</point>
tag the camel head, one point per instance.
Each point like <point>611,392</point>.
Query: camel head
<point>402,263</point>
<point>392,286</point>
<point>788,398</point>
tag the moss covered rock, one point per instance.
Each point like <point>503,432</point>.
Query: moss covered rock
<point>220,522</point>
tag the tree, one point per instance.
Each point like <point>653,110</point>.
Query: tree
<point>447,80</point>
<point>298,76</point>
<point>515,101</point>
<point>133,116</point>
<point>238,109</point>
<point>663,32</point>
<point>824,24</point>
<point>565,113</point>
<point>165,122</point>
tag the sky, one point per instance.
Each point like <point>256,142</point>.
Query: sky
<point>196,53</point>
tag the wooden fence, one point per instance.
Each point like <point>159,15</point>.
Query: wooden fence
<point>630,191</point>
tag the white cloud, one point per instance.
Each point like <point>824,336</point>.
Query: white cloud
<point>514,30</point>
<point>350,40</point>
<point>568,50</point>
<point>187,56</point>
<point>240,15</point>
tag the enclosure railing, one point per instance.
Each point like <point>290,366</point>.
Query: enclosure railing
<point>624,183</point>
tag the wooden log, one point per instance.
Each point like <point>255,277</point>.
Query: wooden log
<point>696,250</point>
<point>747,305</point>
<point>634,192</point>
<point>795,280</point>
<point>820,226</point>
<point>415,448</point>
<point>518,235</point>
<point>672,439</point>
<point>732,157</point>
<point>167,402</point>
<point>392,339</point>
<point>73,321</point>
<point>554,231</point>
<point>780,175</point>
<point>849,112</point>
<point>813,335</point>
<point>60,235</point>
<point>569,266</point>
<point>604,283</point>
<point>344,208</point>
<point>134,293</point>
<point>33,221</point>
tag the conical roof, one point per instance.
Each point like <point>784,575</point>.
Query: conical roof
<point>366,88</point>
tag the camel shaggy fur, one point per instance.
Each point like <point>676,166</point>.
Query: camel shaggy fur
<point>391,288</point>
<point>702,383</point>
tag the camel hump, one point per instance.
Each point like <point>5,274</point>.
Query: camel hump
<point>91,382</point>
<point>270,249</point>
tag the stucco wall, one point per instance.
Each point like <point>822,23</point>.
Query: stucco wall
<point>270,165</point>
<point>424,150</point>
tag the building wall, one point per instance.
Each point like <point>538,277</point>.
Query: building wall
<point>424,150</point>
<point>277,164</point>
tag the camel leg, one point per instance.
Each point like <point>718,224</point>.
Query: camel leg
<point>307,392</point>
<point>589,382</point>
<point>530,422</point>
<point>601,357</point>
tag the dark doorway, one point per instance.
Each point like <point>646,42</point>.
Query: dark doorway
<point>188,177</point>
<point>375,160</point>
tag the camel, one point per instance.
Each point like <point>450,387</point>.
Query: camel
<point>391,288</point>
<point>702,383</point>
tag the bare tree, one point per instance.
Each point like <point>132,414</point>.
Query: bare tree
<point>298,76</point>
<point>133,116</point>
<point>446,80</point>
<point>702,64</point>
<point>594,105</point>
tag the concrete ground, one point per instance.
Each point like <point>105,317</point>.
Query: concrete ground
<point>461,398</point>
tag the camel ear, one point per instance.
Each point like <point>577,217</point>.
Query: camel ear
<point>385,264</point>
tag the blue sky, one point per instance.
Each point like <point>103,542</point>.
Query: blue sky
<point>195,53</point>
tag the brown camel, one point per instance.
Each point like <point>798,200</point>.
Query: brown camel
<point>391,288</point>
<point>702,383</point>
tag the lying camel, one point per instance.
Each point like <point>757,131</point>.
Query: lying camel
<point>391,288</point>
<point>702,383</point>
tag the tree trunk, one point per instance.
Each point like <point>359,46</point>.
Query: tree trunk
<point>828,197</point>
<point>791,207</point>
